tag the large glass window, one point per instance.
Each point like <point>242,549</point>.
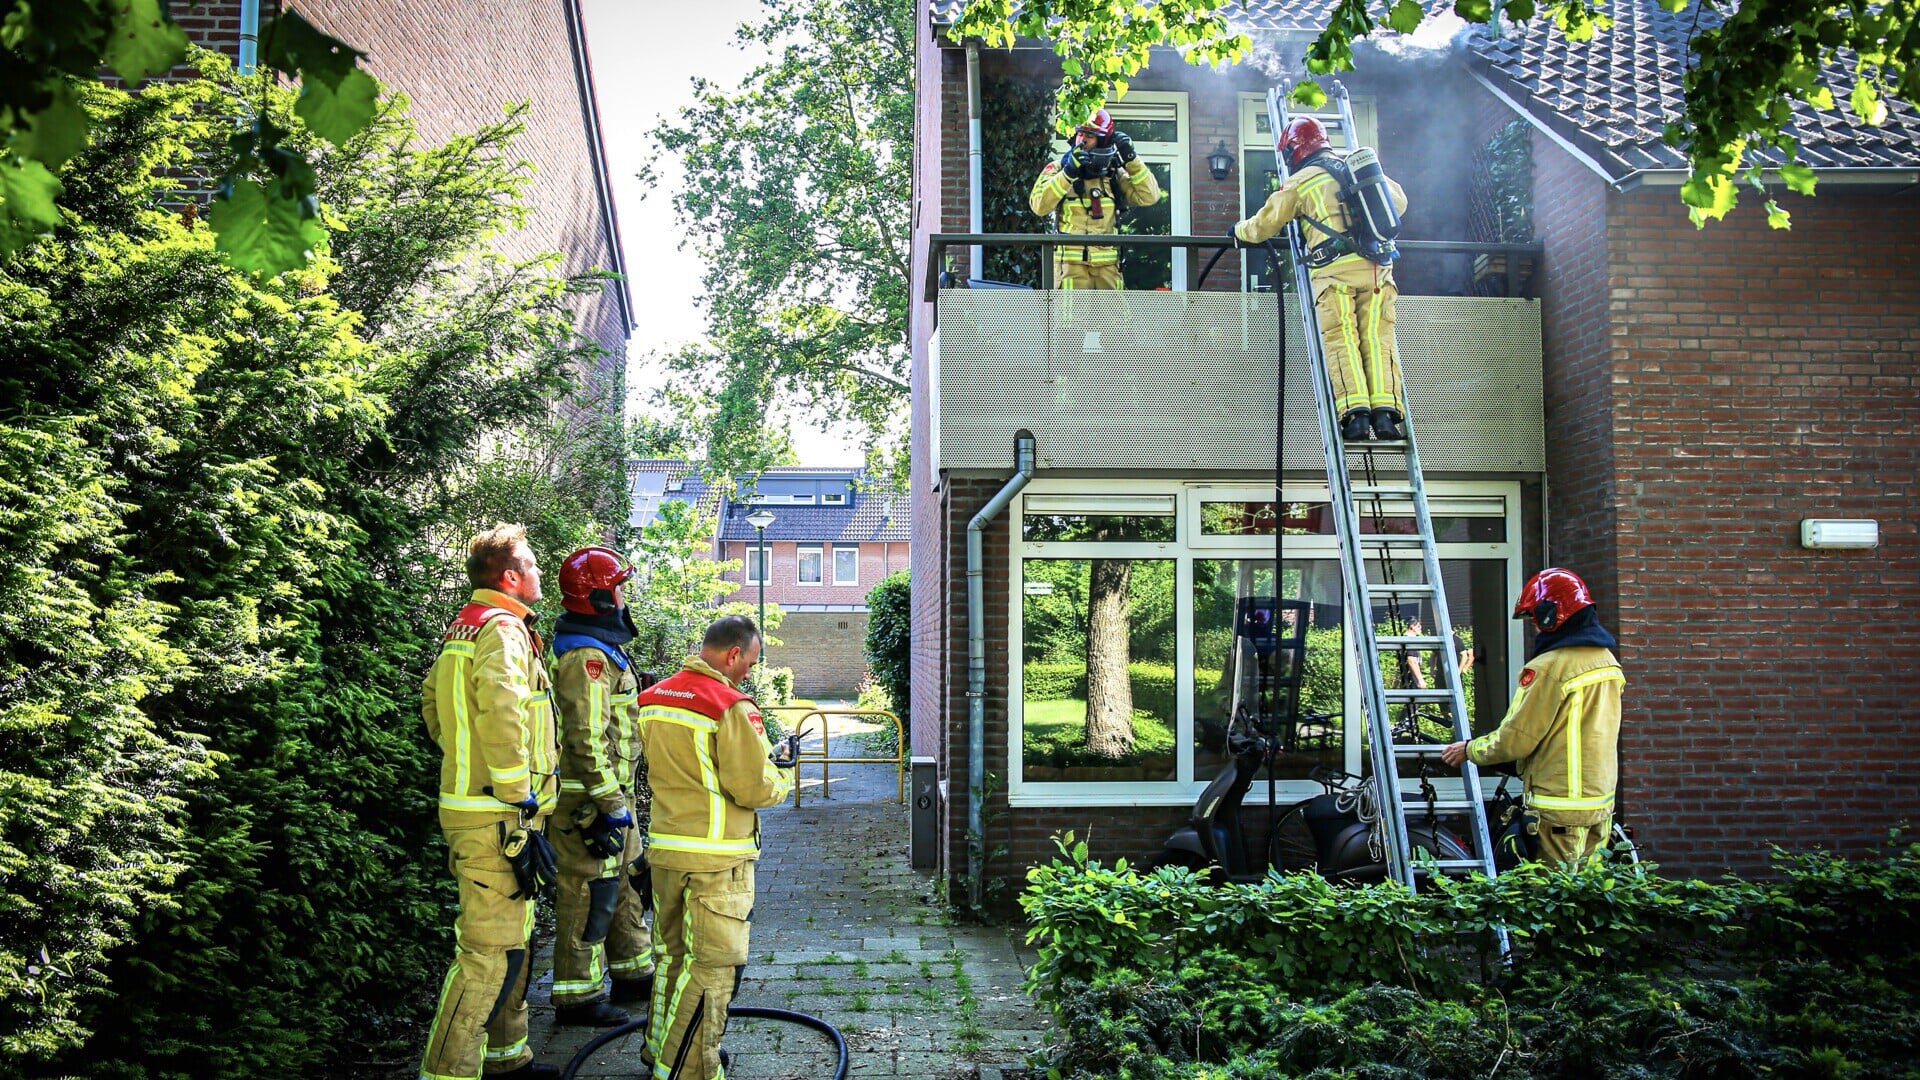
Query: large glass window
<point>808,566</point>
<point>1145,630</point>
<point>1098,690</point>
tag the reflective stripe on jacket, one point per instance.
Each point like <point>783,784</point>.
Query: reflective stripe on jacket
<point>710,768</point>
<point>1311,192</point>
<point>1055,190</point>
<point>599,725</point>
<point>489,707</point>
<point>1564,729</point>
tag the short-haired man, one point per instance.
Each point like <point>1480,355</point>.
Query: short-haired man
<point>488,705</point>
<point>710,768</point>
<point>1564,724</point>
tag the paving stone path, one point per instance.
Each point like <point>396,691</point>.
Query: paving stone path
<point>845,930</point>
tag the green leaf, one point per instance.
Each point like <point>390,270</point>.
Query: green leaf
<point>295,46</point>
<point>1405,16</point>
<point>1711,196</point>
<point>263,231</point>
<point>1308,95</point>
<point>1474,11</point>
<point>27,192</point>
<point>55,133</point>
<point>1798,178</point>
<point>1776,217</point>
<point>1867,104</point>
<point>144,40</point>
<point>1675,6</point>
<point>337,113</point>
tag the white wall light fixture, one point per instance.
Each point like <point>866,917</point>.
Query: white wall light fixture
<point>1832,533</point>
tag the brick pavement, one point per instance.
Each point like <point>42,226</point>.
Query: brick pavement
<point>846,931</point>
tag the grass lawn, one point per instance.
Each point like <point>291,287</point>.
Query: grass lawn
<point>1057,730</point>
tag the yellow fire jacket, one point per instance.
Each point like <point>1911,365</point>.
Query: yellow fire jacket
<point>1087,206</point>
<point>489,707</point>
<point>599,725</point>
<point>710,768</point>
<point>1315,193</point>
<point>1564,729</point>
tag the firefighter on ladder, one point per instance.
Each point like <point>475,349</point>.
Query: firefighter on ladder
<point>600,927</point>
<point>1087,186</point>
<point>1563,726</point>
<point>1352,294</point>
<point>710,769</point>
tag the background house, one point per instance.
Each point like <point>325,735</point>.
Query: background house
<point>459,68</point>
<point>829,544</point>
<point>1658,408</point>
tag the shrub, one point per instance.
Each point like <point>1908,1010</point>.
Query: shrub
<point>890,639</point>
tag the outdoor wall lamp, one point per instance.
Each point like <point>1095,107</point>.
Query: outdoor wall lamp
<point>1831,533</point>
<point>1220,162</point>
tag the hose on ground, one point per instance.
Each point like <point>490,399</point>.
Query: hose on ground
<point>751,1012</point>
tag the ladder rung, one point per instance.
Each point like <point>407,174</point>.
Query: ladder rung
<point>1431,693</point>
<point>1414,805</point>
<point>1409,641</point>
<point>1401,490</point>
<point>1454,866</point>
<point>1400,588</point>
<point>1415,749</point>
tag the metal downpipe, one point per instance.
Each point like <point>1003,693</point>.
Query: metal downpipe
<point>1023,454</point>
<point>249,36</point>
<point>975,152</point>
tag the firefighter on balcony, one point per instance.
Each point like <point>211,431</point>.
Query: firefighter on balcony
<point>1564,724</point>
<point>600,928</point>
<point>488,705</point>
<point>1093,181</point>
<point>1344,206</point>
<point>710,769</point>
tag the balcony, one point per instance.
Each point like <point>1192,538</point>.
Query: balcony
<point>1184,382</point>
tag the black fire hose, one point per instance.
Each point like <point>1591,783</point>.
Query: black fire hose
<point>752,1012</point>
<point>1208,269</point>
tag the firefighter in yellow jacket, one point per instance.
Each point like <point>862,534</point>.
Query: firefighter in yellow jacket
<point>710,768</point>
<point>600,925</point>
<point>1564,724</point>
<point>1353,296</point>
<point>1087,186</point>
<point>488,705</point>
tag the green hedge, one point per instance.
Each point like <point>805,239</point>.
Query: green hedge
<point>1615,971</point>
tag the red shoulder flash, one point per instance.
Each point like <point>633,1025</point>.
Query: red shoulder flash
<point>754,718</point>
<point>1526,678</point>
<point>595,668</point>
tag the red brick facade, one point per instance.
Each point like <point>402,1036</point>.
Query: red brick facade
<point>459,66</point>
<point>877,560</point>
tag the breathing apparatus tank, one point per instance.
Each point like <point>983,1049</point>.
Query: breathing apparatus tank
<point>1370,213</point>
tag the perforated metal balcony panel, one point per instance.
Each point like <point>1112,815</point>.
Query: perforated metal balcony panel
<point>1183,382</point>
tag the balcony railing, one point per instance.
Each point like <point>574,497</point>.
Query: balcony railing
<point>1426,267</point>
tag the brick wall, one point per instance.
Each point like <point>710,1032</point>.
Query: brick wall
<point>825,649</point>
<point>877,560</point>
<point>1760,377</point>
<point>459,67</point>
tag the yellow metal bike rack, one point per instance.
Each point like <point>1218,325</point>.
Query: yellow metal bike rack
<point>824,756</point>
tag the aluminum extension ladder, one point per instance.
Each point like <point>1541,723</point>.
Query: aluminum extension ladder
<point>1373,575</point>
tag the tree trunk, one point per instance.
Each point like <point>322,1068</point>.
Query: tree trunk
<point>1109,686</point>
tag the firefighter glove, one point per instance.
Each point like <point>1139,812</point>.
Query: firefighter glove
<point>640,876</point>
<point>1233,237</point>
<point>1123,145</point>
<point>1074,164</point>
<point>534,867</point>
<point>605,836</point>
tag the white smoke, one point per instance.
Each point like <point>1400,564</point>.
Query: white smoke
<point>1437,36</point>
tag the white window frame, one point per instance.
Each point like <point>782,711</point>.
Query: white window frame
<point>751,571</point>
<point>799,559</point>
<point>1153,104</point>
<point>834,498</point>
<point>839,550</point>
<point>1187,497</point>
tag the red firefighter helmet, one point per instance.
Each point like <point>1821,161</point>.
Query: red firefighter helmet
<point>590,580</point>
<point>1551,597</point>
<point>1098,127</point>
<point>1303,136</point>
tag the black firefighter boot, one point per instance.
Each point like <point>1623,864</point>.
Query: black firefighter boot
<point>626,991</point>
<point>532,1070</point>
<point>1354,425</point>
<point>1386,426</point>
<point>602,1013</point>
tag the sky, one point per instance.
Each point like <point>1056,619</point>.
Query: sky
<point>645,55</point>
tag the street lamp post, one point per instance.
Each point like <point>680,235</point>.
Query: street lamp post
<point>760,519</point>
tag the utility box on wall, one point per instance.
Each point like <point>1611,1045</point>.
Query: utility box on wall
<point>924,790</point>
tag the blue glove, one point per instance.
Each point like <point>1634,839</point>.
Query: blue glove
<point>1123,145</point>
<point>528,806</point>
<point>606,837</point>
